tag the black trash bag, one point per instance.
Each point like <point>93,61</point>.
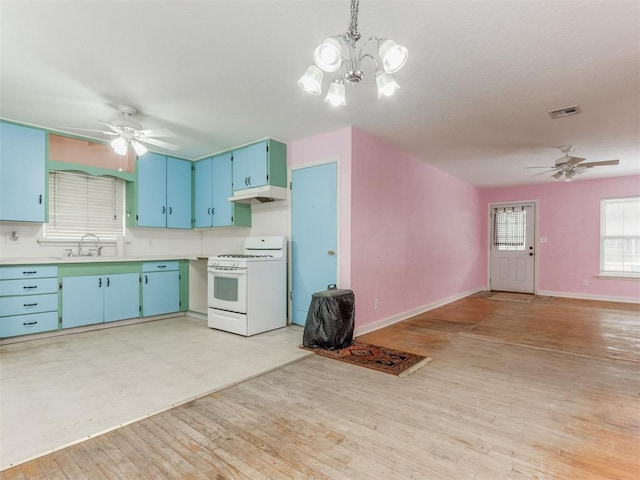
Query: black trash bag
<point>330,320</point>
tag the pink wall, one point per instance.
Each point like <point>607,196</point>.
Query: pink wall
<point>416,232</point>
<point>569,216</point>
<point>332,145</point>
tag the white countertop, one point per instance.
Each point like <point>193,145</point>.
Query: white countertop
<point>93,259</point>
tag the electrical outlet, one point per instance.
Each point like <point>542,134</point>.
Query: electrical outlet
<point>376,304</point>
<point>585,283</point>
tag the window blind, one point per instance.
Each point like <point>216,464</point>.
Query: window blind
<point>81,204</point>
<point>620,235</point>
<point>509,227</point>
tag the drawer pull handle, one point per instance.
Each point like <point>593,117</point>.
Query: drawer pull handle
<point>30,272</point>
<point>29,304</point>
<point>29,323</point>
<point>30,286</point>
<point>162,266</point>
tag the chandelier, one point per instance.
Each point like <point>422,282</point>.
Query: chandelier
<point>387,55</point>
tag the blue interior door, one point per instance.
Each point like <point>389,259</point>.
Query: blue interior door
<point>313,235</point>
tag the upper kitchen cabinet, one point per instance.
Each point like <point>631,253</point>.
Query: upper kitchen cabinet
<point>212,181</point>
<point>260,164</point>
<point>22,173</point>
<point>163,192</point>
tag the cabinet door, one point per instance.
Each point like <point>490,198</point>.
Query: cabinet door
<point>160,293</point>
<point>152,190</point>
<point>250,166</point>
<point>241,168</point>
<point>121,296</point>
<point>82,300</point>
<point>22,173</point>
<point>178,193</point>
<point>222,207</point>
<point>203,193</point>
<point>257,166</point>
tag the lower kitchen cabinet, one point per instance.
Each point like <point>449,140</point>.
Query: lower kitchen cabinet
<point>160,288</point>
<point>87,300</point>
<point>28,300</point>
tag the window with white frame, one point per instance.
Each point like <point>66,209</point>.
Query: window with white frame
<point>620,236</point>
<point>509,228</point>
<point>80,204</point>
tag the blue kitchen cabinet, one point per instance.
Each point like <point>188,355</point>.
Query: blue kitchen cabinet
<point>23,173</point>
<point>250,166</point>
<point>28,299</point>
<point>203,194</point>
<point>160,288</point>
<point>164,192</point>
<point>82,301</point>
<point>87,300</point>
<point>121,296</point>
<point>212,191</point>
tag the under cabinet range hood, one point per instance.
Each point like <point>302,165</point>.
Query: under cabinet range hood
<point>264,194</point>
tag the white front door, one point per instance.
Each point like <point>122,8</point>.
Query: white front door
<point>512,258</point>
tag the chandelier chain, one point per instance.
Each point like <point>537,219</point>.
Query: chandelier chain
<point>352,36</point>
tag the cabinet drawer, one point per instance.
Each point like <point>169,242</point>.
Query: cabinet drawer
<point>25,324</point>
<point>28,304</point>
<point>28,271</point>
<point>28,286</point>
<point>160,266</point>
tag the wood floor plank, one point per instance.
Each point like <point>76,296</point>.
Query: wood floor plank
<point>547,390</point>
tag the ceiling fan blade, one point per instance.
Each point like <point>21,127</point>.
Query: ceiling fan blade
<point>114,129</point>
<point>574,160</point>
<point>156,132</point>
<point>543,173</point>
<point>87,130</point>
<point>597,164</point>
<point>159,143</point>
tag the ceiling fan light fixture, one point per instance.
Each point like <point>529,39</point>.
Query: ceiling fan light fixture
<point>557,176</point>
<point>120,146</point>
<point>138,147</point>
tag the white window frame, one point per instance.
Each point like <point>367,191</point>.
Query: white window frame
<point>603,237</point>
<point>91,204</point>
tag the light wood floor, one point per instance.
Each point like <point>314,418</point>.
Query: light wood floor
<point>547,390</point>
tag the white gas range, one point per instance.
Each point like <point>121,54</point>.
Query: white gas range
<point>247,293</point>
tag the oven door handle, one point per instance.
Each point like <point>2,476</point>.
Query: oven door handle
<point>234,271</point>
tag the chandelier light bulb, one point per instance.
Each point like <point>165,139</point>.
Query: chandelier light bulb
<point>328,55</point>
<point>386,84</point>
<point>119,146</point>
<point>311,81</point>
<point>393,56</point>
<point>336,94</point>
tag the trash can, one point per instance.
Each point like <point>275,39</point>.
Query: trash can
<point>330,320</point>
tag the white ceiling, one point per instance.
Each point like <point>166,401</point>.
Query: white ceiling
<point>474,97</point>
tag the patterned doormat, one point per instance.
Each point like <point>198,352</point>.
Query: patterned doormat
<point>512,297</point>
<point>378,358</point>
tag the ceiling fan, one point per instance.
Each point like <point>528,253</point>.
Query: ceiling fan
<point>568,166</point>
<point>130,133</point>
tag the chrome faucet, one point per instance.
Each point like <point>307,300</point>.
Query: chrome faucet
<point>98,246</point>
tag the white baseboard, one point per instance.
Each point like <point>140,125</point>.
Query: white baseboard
<point>385,322</point>
<point>586,296</point>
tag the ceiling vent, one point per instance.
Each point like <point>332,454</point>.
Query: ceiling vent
<point>565,112</point>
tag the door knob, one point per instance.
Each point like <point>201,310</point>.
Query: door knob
<point>331,252</point>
